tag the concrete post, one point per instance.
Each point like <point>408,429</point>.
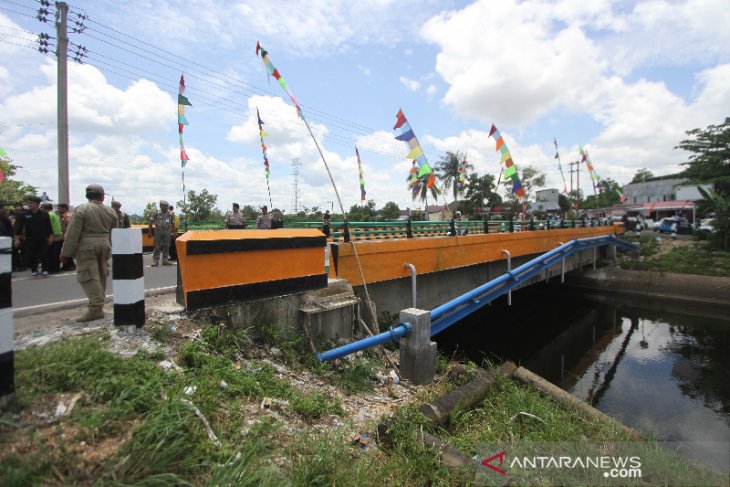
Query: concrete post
<point>417,351</point>
<point>128,277</point>
<point>7,344</point>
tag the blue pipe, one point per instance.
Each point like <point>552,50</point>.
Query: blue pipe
<point>399,331</point>
<point>449,313</point>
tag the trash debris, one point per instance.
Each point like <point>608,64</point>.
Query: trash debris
<point>167,365</point>
<point>65,409</point>
<point>275,351</point>
<point>190,390</point>
<point>211,434</point>
<point>266,403</point>
<point>223,384</point>
<point>394,377</point>
<point>363,440</point>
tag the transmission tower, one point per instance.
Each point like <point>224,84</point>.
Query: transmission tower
<point>296,180</point>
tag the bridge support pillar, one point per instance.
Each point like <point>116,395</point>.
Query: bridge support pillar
<point>417,351</point>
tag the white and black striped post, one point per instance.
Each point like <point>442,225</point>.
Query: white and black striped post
<point>7,344</point>
<point>128,277</point>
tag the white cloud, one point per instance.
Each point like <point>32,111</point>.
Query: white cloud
<point>410,84</point>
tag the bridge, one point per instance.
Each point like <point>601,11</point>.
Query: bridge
<point>279,274</point>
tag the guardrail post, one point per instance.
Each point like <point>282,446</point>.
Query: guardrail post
<point>417,351</point>
<point>409,228</point>
<point>7,343</point>
<point>413,282</point>
<point>452,228</point>
<point>562,266</point>
<point>531,225</point>
<point>128,277</point>
<point>486,224</point>
<point>548,224</point>
<point>511,223</point>
<point>573,223</point>
<point>509,268</point>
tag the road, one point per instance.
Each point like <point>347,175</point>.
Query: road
<point>29,292</point>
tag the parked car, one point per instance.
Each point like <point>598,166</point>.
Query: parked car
<point>706,225</point>
<point>675,224</point>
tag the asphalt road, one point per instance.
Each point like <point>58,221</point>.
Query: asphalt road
<point>62,287</point>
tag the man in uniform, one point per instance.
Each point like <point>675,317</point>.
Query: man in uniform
<point>235,219</point>
<point>263,222</point>
<point>87,238</point>
<point>122,217</point>
<point>164,228</point>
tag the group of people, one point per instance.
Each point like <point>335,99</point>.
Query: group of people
<point>47,241</point>
<point>235,220</point>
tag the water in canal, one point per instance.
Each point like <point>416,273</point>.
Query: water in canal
<point>654,370</point>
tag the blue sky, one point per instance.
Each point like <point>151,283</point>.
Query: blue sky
<point>623,79</point>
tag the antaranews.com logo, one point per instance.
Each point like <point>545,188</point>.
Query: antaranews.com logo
<point>612,467</point>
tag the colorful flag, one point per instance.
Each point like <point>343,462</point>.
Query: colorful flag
<point>275,73</point>
<point>595,179</point>
<point>404,132</point>
<point>461,182</point>
<point>262,134</point>
<point>362,179</point>
<point>510,169</point>
<point>560,166</point>
<point>181,120</point>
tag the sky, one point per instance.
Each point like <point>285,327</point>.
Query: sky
<point>625,80</point>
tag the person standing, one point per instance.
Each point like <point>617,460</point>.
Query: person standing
<point>276,220</point>
<point>20,252</point>
<point>54,250</point>
<point>6,226</point>
<point>65,216</point>
<point>235,219</point>
<point>87,238</point>
<point>263,222</point>
<point>34,228</point>
<point>122,218</point>
<point>164,228</point>
<point>326,220</point>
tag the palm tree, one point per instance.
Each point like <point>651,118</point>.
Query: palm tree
<point>718,204</point>
<point>447,170</point>
<point>420,186</point>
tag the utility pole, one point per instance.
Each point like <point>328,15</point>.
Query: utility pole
<point>577,178</point>
<point>62,97</point>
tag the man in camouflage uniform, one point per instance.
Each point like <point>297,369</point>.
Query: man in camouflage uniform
<point>87,238</point>
<point>164,228</point>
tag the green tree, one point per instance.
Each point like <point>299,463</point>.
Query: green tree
<point>531,179</point>
<point>481,192</point>
<point>607,195</point>
<point>12,191</point>
<point>642,175</point>
<point>390,211</point>
<point>710,159</point>
<point>364,213</point>
<point>199,207</point>
<point>714,203</point>
<point>565,203</point>
<point>447,171</point>
<point>149,210</point>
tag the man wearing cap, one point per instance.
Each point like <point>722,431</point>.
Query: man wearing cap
<point>164,227</point>
<point>87,238</point>
<point>122,217</point>
<point>34,227</point>
<point>263,222</point>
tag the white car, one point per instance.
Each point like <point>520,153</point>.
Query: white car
<point>706,225</point>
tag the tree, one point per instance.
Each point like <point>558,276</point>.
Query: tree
<point>12,191</point>
<point>481,191</point>
<point>390,211</point>
<point>199,207</point>
<point>607,195</point>
<point>364,213</point>
<point>447,171</point>
<point>642,175</point>
<point>710,159</point>
<point>149,211</point>
<point>715,203</point>
<point>531,179</point>
<point>565,203</point>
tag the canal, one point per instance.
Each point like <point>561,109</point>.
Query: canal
<point>655,370</point>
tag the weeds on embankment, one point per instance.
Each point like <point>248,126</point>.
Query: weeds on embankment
<point>273,416</point>
<point>682,257</point>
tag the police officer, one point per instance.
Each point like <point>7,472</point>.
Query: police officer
<point>87,238</point>
<point>164,228</point>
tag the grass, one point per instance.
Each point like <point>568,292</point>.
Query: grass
<point>134,424</point>
<point>697,258</point>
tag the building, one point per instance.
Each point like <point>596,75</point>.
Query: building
<point>547,200</point>
<point>662,196</point>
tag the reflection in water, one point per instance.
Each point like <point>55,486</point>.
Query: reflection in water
<point>664,373</point>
